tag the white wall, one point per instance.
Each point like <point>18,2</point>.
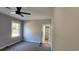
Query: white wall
<point>33,30</point>
<point>5,31</point>
<point>66,28</point>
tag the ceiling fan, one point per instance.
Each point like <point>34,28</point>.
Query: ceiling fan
<point>18,11</point>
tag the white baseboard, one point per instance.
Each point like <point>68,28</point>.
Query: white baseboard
<point>9,44</point>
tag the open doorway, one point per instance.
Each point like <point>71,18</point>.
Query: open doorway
<point>46,33</point>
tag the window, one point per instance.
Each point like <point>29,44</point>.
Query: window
<point>15,29</point>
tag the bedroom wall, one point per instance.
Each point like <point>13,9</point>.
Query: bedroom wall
<point>5,31</point>
<point>33,30</point>
<point>66,28</point>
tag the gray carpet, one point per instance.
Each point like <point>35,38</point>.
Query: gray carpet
<point>28,46</point>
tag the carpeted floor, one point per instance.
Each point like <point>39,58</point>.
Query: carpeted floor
<point>28,46</point>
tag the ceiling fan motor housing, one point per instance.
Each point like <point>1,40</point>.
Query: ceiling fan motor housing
<point>18,12</point>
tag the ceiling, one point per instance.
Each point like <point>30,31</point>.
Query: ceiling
<point>37,13</point>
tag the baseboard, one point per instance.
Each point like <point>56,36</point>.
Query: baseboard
<point>33,41</point>
<point>8,45</point>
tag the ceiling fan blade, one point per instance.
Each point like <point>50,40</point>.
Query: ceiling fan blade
<point>21,15</point>
<point>25,13</point>
<point>8,7</point>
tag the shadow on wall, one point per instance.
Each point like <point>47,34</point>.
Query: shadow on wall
<point>31,33</point>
